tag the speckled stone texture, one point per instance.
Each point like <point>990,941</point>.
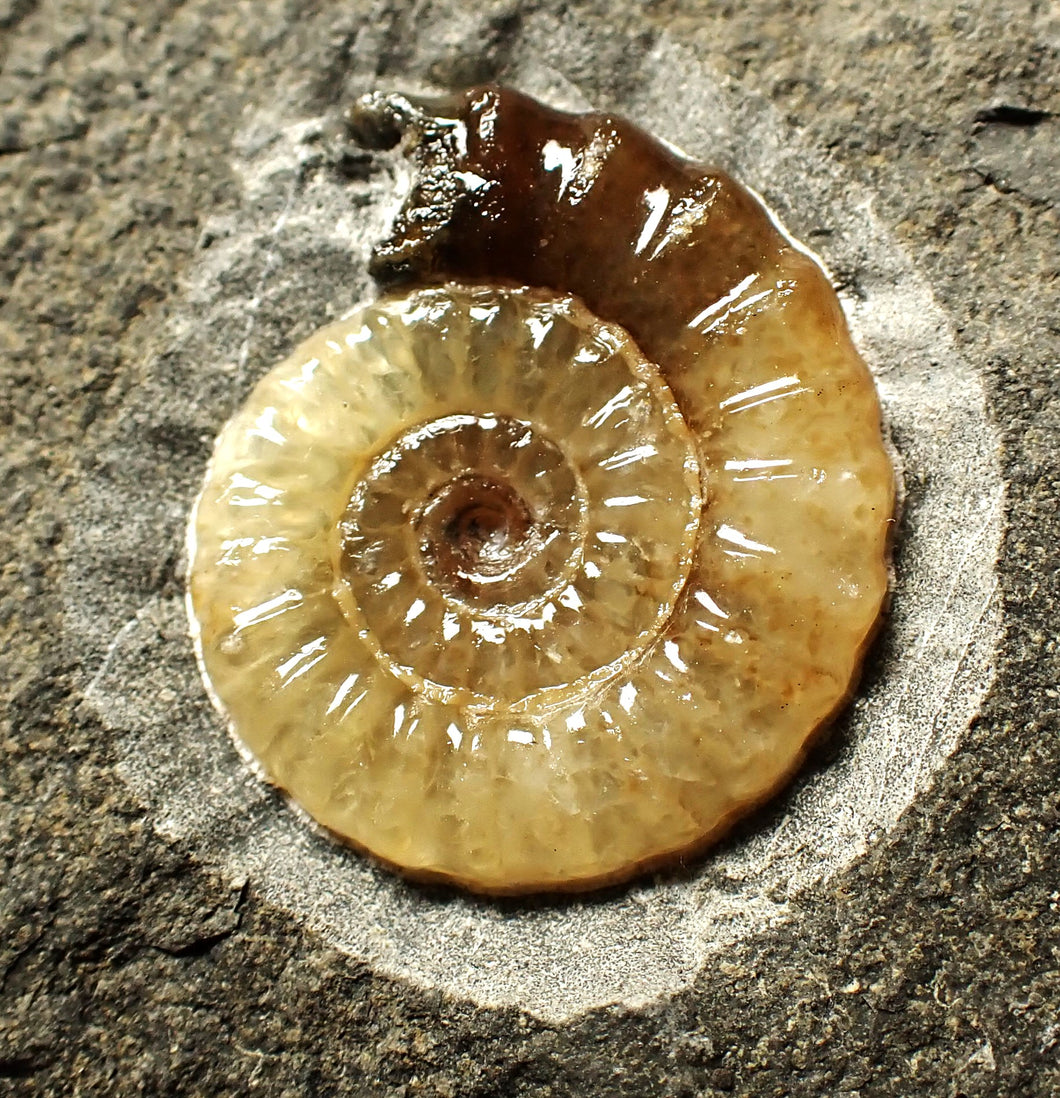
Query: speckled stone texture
<point>930,967</point>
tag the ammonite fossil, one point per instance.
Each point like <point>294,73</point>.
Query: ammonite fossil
<point>548,565</point>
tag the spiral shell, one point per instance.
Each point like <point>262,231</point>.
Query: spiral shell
<point>521,596</point>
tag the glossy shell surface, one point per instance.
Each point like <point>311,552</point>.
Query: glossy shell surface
<point>533,579</point>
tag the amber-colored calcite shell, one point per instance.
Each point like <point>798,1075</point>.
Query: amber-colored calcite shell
<point>507,596</point>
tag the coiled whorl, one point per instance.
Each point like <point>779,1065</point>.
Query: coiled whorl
<point>548,566</point>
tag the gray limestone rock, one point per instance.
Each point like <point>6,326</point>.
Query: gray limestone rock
<point>183,206</point>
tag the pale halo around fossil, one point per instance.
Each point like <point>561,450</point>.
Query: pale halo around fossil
<point>650,940</point>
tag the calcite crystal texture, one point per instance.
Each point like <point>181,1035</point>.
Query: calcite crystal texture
<point>544,569</point>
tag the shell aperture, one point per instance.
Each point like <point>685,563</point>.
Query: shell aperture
<point>522,596</point>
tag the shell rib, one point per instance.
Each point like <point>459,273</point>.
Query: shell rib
<point>525,595</point>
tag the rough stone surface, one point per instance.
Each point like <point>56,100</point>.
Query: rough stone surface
<point>931,966</point>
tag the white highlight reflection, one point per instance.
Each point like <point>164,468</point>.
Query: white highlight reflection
<point>761,394</point>
<point>722,302</point>
<point>266,610</point>
<point>731,534</point>
<point>656,201</point>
